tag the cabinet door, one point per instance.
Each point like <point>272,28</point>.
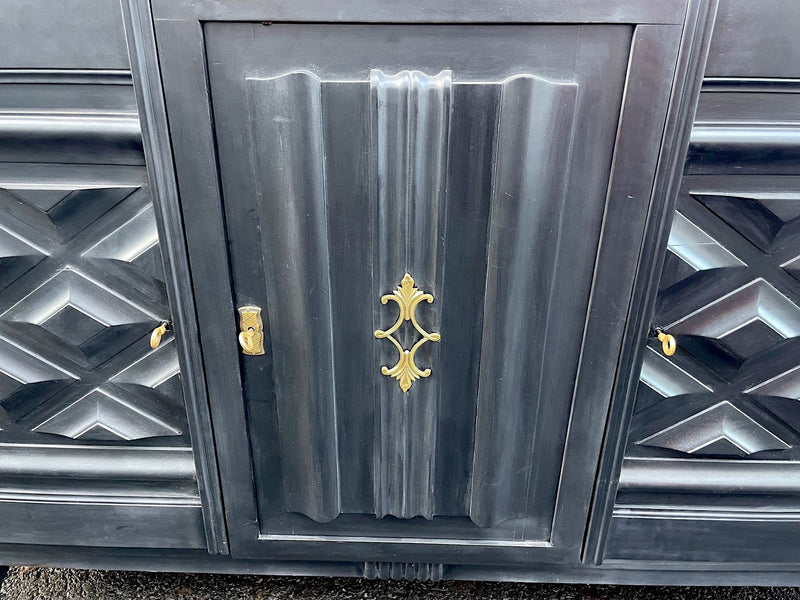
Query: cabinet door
<point>364,165</point>
<point>417,211</point>
<point>94,436</point>
<point>713,448</point>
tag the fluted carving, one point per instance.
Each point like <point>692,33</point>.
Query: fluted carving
<point>410,116</point>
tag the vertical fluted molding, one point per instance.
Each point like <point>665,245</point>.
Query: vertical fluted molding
<point>286,113</point>
<point>528,191</point>
<point>410,116</point>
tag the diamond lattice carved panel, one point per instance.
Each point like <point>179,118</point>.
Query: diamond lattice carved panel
<point>729,293</point>
<point>81,290</point>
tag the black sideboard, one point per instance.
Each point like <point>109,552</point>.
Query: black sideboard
<point>446,290</point>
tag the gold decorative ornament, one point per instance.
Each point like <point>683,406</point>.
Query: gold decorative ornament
<point>668,343</point>
<point>158,333</point>
<point>407,297</point>
<point>251,330</point>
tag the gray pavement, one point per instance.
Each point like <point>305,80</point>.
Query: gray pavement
<point>28,583</point>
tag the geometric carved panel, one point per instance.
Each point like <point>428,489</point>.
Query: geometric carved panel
<point>729,292</point>
<point>82,287</point>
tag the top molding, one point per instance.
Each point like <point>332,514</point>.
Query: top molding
<point>663,12</point>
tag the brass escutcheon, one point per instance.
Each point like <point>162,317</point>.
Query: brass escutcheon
<point>251,330</point>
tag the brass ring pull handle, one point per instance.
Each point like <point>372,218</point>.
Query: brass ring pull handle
<point>251,331</point>
<point>158,333</point>
<point>668,343</point>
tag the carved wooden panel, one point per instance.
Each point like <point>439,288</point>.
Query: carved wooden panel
<point>730,293</point>
<point>82,281</point>
<point>93,431</point>
<point>408,143</point>
<point>404,571</point>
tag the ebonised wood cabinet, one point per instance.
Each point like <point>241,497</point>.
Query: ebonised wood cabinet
<point>409,263</point>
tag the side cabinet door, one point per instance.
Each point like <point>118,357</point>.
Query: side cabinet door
<point>713,449</point>
<point>414,216</point>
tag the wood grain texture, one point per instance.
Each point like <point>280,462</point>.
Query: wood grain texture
<point>410,114</point>
<point>524,236</point>
<point>286,113</point>
<point>411,162</point>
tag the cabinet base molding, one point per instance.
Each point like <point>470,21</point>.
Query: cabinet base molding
<point>612,572</point>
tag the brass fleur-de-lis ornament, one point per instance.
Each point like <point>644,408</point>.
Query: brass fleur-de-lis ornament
<point>407,297</point>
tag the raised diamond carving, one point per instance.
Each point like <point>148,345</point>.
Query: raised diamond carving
<point>732,387</point>
<point>102,415</point>
<point>753,219</point>
<point>696,248</point>
<point>721,429</point>
<point>81,289</point>
<point>70,288</point>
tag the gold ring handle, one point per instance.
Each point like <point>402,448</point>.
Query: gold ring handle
<point>158,333</point>
<point>668,343</point>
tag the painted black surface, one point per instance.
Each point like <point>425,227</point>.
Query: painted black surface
<point>712,447</point>
<point>95,447</point>
<point>70,34</point>
<point>755,40</point>
<point>475,423</point>
<point>396,194</point>
<point>181,52</point>
<point>158,153</point>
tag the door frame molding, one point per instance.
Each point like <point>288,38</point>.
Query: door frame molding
<point>160,171</point>
<point>688,79</point>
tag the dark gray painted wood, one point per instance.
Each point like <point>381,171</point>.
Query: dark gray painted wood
<point>233,58</point>
<point>76,90</point>
<point>277,427</point>
<point>683,102</point>
<point>287,111</point>
<point>351,286</point>
<point>409,144</point>
<point>72,34</point>
<point>404,452</point>
<point>158,152</point>
<point>88,523</point>
<point>743,129</point>
<point>112,496</point>
<point>736,539</point>
<point>182,56</point>
<point>755,40</point>
<point>525,228</point>
<point>473,120</point>
<point>711,476</point>
<point>210,264</point>
<point>714,436</point>
<point>95,446</point>
<point>420,11</point>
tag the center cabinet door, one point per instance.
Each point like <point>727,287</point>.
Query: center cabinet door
<point>417,211</point>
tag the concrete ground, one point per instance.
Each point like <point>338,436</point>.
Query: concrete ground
<point>28,583</point>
